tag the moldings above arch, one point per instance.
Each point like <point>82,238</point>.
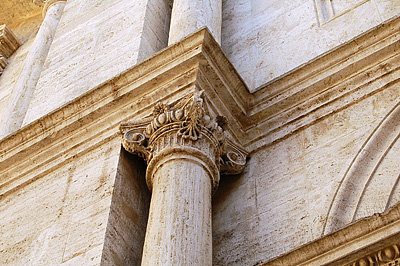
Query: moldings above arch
<point>354,200</point>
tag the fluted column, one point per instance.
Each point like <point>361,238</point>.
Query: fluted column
<point>185,149</point>
<point>190,15</point>
<point>29,76</point>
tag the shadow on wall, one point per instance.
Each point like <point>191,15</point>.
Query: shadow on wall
<point>128,216</point>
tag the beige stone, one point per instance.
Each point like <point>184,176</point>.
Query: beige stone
<point>189,16</point>
<point>8,44</point>
<point>185,148</point>
<point>26,83</point>
<point>314,99</point>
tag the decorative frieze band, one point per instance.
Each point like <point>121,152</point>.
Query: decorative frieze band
<point>389,256</point>
<point>187,125</point>
<point>8,44</point>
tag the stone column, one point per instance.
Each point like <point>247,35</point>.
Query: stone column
<point>190,15</point>
<point>29,76</point>
<point>185,150</point>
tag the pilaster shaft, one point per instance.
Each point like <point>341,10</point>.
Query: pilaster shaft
<point>185,150</point>
<point>29,76</point>
<point>191,15</point>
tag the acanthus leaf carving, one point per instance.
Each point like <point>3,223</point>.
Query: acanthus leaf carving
<point>189,120</point>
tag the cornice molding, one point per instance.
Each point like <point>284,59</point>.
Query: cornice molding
<point>326,85</point>
<point>362,241</point>
<point>8,45</point>
<point>388,256</point>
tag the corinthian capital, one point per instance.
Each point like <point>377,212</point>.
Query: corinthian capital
<point>184,125</point>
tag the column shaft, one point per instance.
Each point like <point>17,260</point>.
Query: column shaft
<point>29,76</point>
<point>190,15</point>
<point>179,225</point>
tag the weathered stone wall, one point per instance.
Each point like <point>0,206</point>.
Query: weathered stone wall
<point>124,239</point>
<point>90,210</point>
<point>266,39</point>
<point>94,42</point>
<point>61,217</point>
<point>283,199</point>
<point>25,33</point>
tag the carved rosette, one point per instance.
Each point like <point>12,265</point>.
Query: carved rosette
<point>184,127</point>
<point>389,256</point>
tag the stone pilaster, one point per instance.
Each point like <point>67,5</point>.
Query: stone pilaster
<point>29,76</point>
<point>190,15</point>
<point>185,149</point>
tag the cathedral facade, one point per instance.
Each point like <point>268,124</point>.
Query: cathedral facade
<point>200,132</point>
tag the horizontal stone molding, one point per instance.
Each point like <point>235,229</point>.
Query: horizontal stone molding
<point>8,45</point>
<point>364,241</point>
<point>330,83</point>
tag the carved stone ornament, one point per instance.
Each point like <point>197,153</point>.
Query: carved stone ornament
<point>184,125</point>
<point>8,45</point>
<point>389,256</point>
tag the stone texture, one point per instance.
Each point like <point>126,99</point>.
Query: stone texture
<point>126,226</point>
<point>25,85</point>
<point>185,149</point>
<point>115,36</point>
<point>305,130</point>
<point>189,16</point>
<point>279,36</point>
<point>67,212</point>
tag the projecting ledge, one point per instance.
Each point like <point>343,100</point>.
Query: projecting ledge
<point>196,63</point>
<point>8,45</point>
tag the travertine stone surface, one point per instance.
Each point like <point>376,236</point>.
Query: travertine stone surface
<point>267,39</point>
<point>324,128</point>
<point>115,36</point>
<point>185,149</point>
<point>191,15</point>
<point>63,218</point>
<point>25,85</point>
<point>298,176</point>
<point>126,226</point>
<point>26,33</point>
<point>179,226</point>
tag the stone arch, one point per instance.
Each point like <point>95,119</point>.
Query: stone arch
<point>371,183</point>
